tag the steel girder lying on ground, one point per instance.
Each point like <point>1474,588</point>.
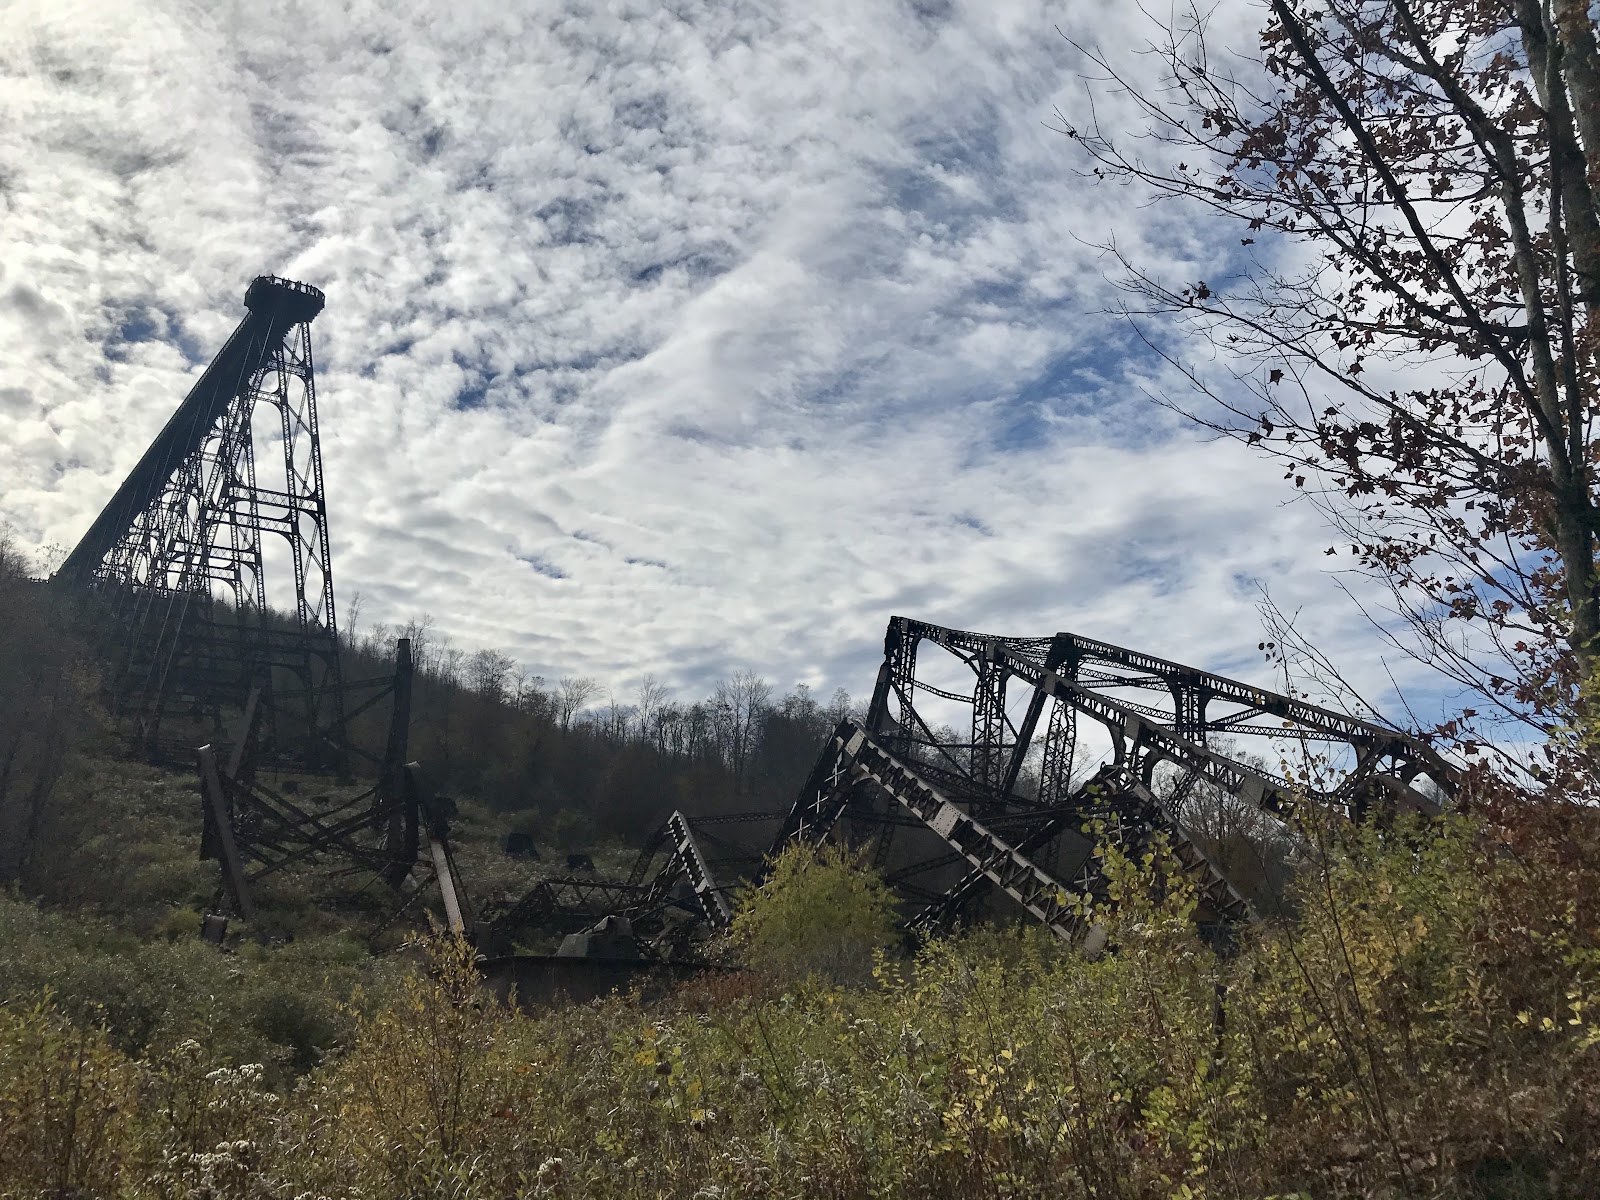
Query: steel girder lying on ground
<point>950,816</point>
<point>560,905</point>
<point>680,885</point>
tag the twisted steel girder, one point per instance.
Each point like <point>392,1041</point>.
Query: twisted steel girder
<point>896,771</point>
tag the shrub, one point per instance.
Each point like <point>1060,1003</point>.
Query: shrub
<point>65,1096</point>
<point>1423,1027</point>
<point>282,1007</point>
<point>820,913</point>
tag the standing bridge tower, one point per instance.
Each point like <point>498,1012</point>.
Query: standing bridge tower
<point>178,563</point>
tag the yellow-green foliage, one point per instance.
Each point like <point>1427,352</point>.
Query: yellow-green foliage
<point>62,1101</point>
<point>282,1007</point>
<point>1425,1029</point>
<point>820,912</point>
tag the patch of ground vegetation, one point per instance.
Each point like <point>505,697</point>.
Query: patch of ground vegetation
<point>1424,1026</point>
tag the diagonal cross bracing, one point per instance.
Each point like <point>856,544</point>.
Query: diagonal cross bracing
<point>1087,676</point>
<point>176,555</point>
<point>1035,833</point>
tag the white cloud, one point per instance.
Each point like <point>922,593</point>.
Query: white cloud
<point>664,339</point>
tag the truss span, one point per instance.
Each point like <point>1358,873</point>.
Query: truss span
<point>1009,804</point>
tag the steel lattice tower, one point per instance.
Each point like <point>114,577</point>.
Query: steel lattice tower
<point>176,556</point>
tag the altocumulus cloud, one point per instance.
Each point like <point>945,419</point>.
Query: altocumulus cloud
<point>661,337</point>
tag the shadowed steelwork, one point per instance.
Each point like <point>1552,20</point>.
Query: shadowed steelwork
<point>953,816</point>
<point>255,831</point>
<point>176,556</point>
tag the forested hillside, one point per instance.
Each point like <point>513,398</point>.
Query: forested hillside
<point>569,762</point>
<point>583,761</point>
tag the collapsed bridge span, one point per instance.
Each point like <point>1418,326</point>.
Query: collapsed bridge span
<point>991,766</point>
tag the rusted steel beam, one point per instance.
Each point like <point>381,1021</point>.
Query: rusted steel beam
<point>222,823</point>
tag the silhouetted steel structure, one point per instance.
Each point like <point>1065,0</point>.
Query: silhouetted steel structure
<point>198,646</point>
<point>254,830</point>
<point>999,807</point>
<point>667,905</point>
<point>177,554</point>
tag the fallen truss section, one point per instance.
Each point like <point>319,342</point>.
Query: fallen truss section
<point>671,896</point>
<point>256,831</point>
<point>951,816</point>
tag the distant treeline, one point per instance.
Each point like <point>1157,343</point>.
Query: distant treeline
<point>581,761</point>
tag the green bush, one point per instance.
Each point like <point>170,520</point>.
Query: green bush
<point>821,913</point>
<point>121,843</point>
<point>283,1007</point>
<point>65,1101</point>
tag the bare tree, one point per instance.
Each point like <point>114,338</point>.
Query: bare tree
<point>615,719</point>
<point>488,674</point>
<point>352,619</point>
<point>667,728</point>
<point>527,691</point>
<point>738,705</point>
<point>574,692</point>
<point>534,700</point>
<point>14,564</point>
<point>422,633</point>
<point>650,697</point>
<point>841,707</point>
<point>1415,331</point>
<point>449,663</point>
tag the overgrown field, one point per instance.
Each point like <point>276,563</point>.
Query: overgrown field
<point>1423,1028</point>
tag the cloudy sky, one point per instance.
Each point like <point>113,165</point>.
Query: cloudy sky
<point>661,337</point>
